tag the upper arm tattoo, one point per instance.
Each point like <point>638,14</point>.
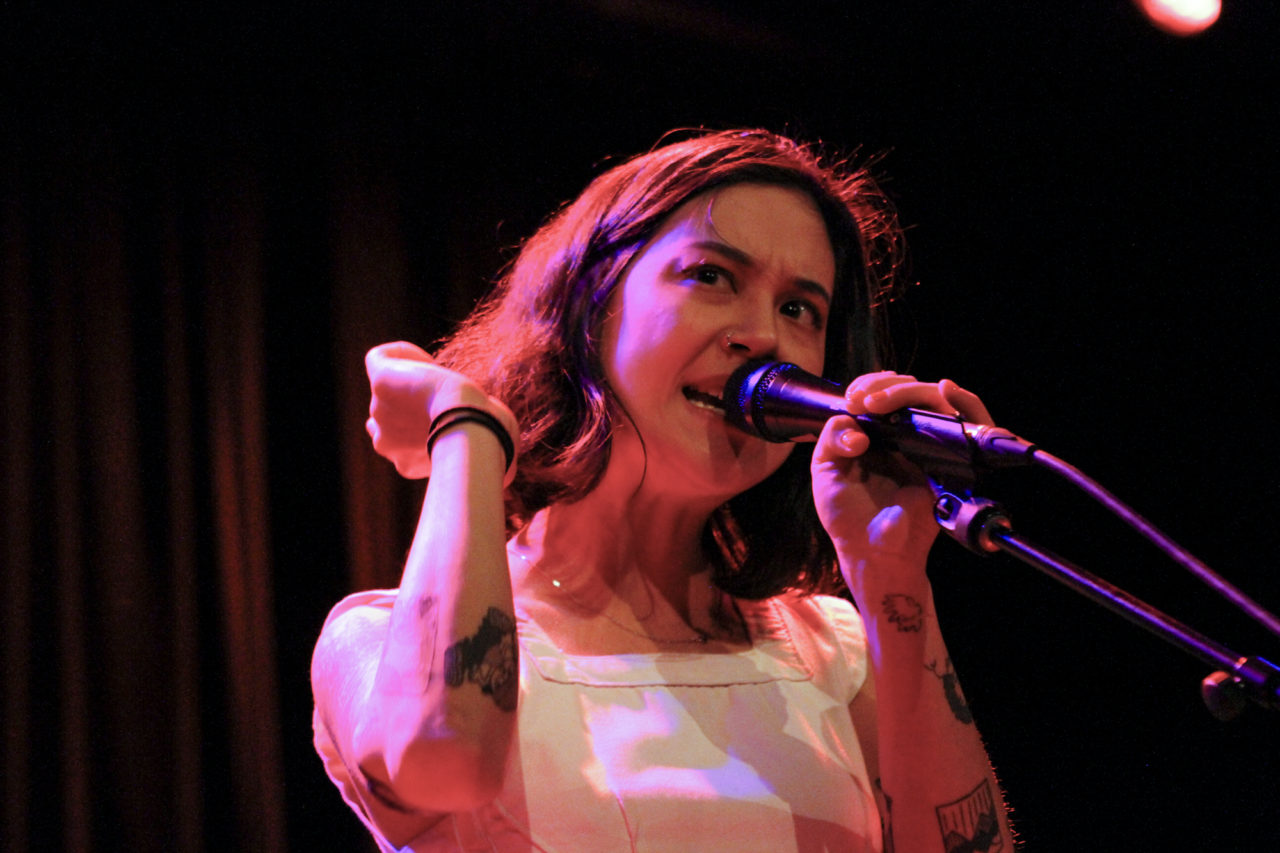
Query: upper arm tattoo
<point>488,659</point>
<point>970,824</point>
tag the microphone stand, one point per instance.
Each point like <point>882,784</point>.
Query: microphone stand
<point>778,401</point>
<point>983,526</point>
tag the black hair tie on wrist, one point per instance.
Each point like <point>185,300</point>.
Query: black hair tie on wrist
<point>450,418</point>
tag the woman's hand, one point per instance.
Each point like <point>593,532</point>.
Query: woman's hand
<point>878,503</point>
<point>408,391</point>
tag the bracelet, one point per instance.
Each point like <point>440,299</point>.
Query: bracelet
<point>450,418</point>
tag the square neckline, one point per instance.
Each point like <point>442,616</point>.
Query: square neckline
<point>772,656</point>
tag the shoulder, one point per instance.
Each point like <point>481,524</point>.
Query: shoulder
<point>343,669</point>
<point>350,640</point>
<point>352,618</point>
<point>824,614</point>
<point>827,631</point>
<point>369,600</point>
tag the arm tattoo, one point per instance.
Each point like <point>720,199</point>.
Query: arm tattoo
<point>428,620</point>
<point>970,825</point>
<point>488,658</point>
<point>951,688</point>
<point>903,611</point>
<point>886,820</point>
<point>416,625</point>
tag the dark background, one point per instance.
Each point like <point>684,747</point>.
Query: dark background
<point>1091,207</point>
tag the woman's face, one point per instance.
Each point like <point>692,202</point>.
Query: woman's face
<point>741,272</point>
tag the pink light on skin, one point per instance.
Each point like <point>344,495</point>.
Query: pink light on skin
<point>1181,17</point>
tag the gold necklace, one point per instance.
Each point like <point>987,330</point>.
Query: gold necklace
<point>701,639</point>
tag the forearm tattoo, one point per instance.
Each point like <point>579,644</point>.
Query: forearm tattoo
<point>487,659</point>
<point>951,689</point>
<point>903,611</point>
<point>970,824</point>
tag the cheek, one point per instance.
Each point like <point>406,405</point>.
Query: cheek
<point>780,453</point>
<point>643,333</point>
<point>807,351</point>
<point>629,355</point>
<point>819,360</point>
<point>822,341</point>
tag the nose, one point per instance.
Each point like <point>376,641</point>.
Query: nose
<point>754,335</point>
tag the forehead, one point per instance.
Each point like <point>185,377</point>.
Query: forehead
<point>774,225</point>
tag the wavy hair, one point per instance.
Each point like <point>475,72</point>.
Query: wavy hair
<point>533,342</point>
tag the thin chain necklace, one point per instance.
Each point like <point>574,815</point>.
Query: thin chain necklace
<point>701,639</point>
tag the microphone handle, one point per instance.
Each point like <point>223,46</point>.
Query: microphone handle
<point>790,403</point>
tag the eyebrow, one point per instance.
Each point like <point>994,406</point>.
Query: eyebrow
<point>741,257</point>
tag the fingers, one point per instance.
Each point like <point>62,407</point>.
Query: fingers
<point>380,355</point>
<point>841,438</point>
<point>402,382</point>
<point>870,385</point>
<point>409,392</point>
<point>967,403</point>
<point>396,367</point>
<point>884,392</point>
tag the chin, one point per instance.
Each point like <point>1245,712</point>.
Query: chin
<point>734,471</point>
<point>714,461</point>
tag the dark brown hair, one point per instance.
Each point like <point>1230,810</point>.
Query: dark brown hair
<point>533,342</point>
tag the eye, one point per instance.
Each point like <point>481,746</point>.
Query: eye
<point>804,311</point>
<point>709,274</point>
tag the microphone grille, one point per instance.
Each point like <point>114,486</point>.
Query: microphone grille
<point>745,393</point>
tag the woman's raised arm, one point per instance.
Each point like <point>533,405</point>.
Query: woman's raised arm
<point>421,705</point>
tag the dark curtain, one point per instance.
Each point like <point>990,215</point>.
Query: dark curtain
<point>187,485</point>
<point>206,221</point>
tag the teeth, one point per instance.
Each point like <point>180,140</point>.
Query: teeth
<point>703,400</point>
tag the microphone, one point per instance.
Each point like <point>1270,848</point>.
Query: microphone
<point>779,402</point>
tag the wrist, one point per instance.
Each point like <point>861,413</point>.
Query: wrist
<point>454,394</point>
<point>871,573</point>
<point>450,419</point>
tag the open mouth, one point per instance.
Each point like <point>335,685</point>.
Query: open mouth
<point>703,400</point>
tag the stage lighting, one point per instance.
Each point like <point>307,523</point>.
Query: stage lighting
<point>1181,17</point>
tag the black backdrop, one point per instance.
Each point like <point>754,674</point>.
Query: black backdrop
<point>1091,205</point>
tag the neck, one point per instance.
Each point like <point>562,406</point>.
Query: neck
<point>599,550</point>
<point>601,600</point>
<point>628,556</point>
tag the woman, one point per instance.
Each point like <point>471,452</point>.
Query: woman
<point>647,662</point>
